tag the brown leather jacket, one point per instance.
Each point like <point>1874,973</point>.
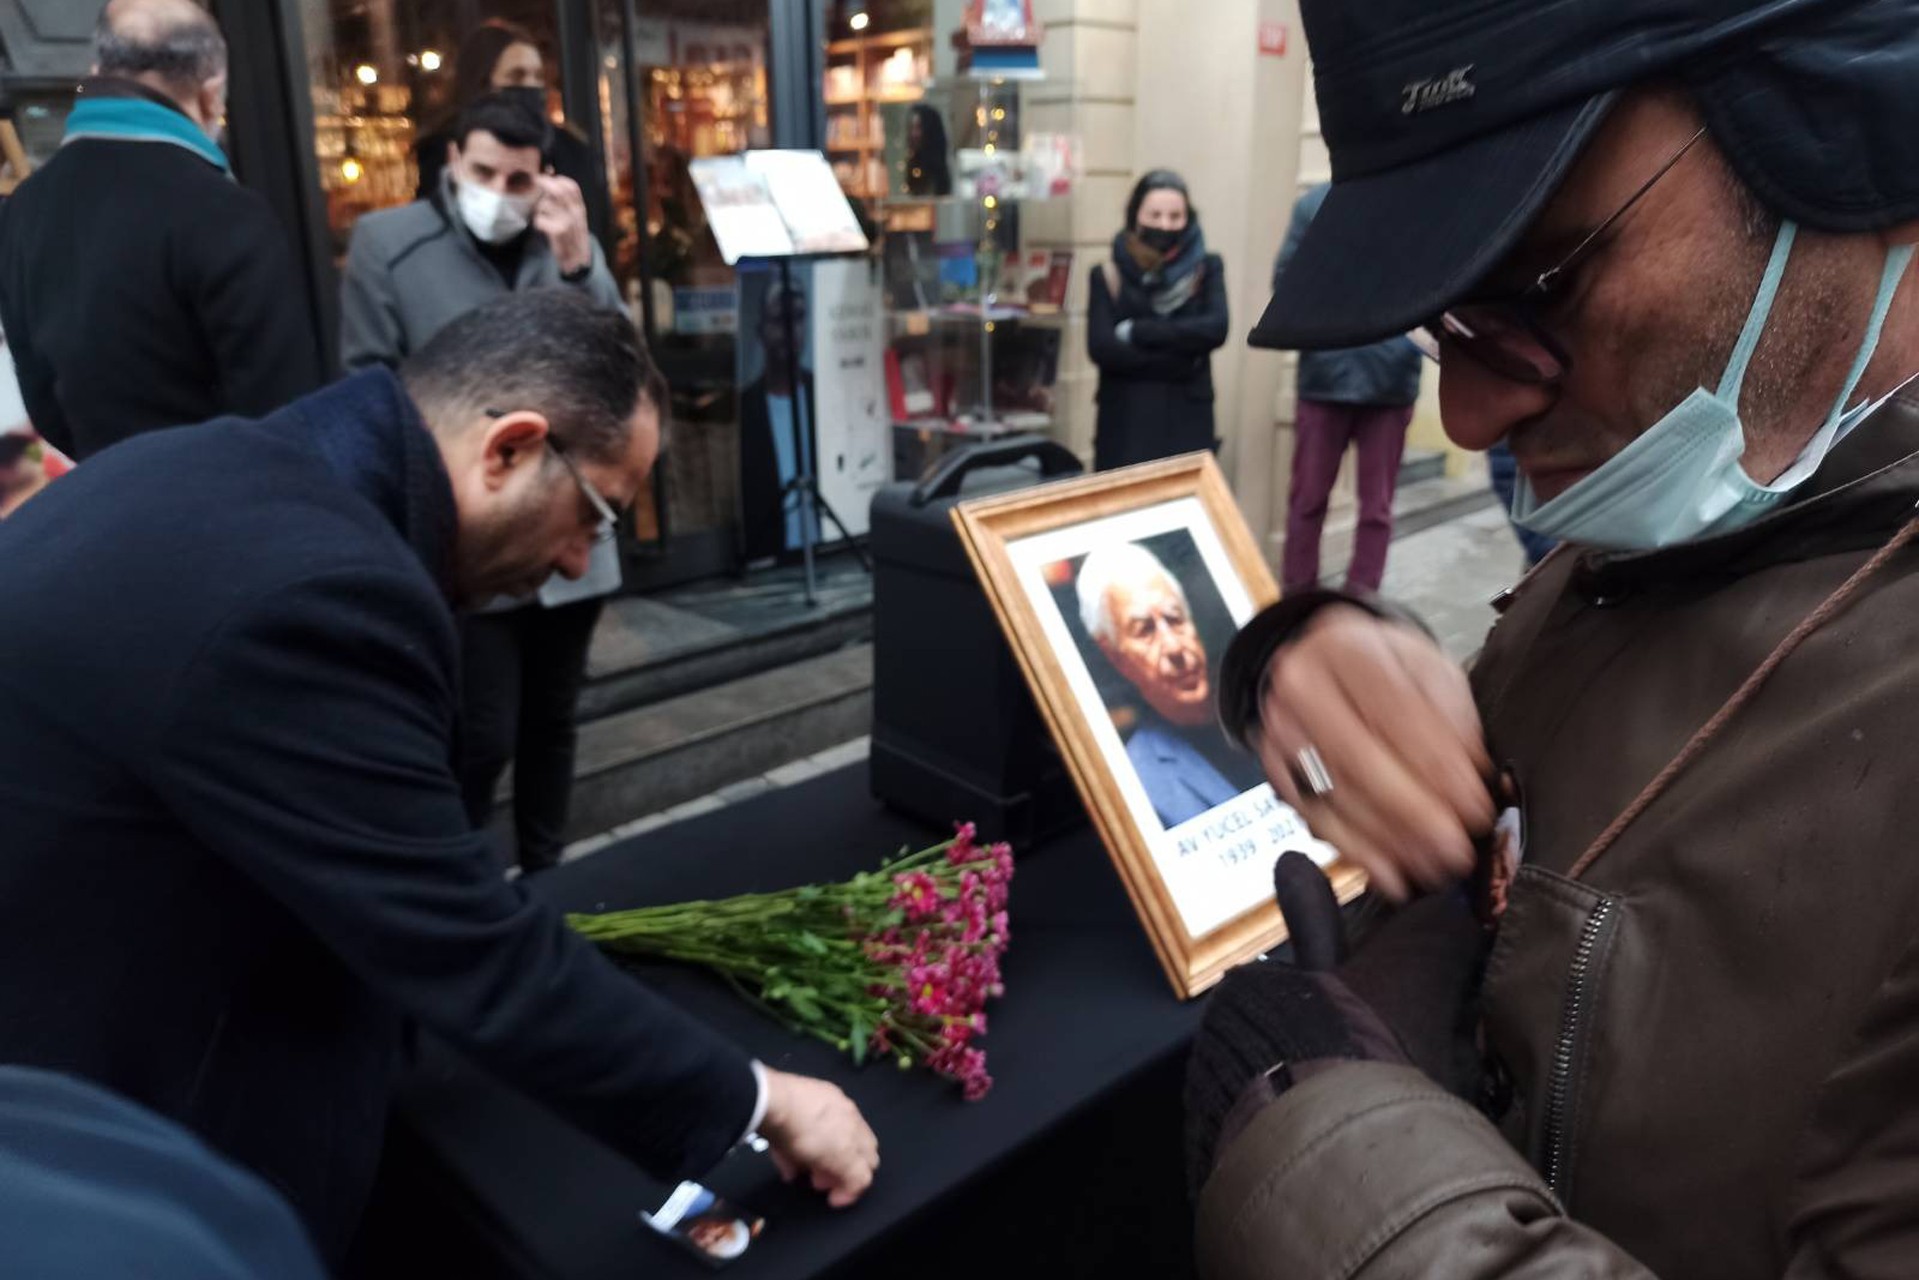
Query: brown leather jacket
<point>1713,1034</point>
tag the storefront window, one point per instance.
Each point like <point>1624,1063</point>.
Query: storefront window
<point>943,168</point>
<point>388,76</point>
<point>880,64</point>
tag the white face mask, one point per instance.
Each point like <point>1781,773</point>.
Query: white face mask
<point>492,217</point>
<point>1682,480</point>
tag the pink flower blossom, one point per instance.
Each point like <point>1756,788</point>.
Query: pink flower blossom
<point>919,895</point>
<point>962,849</point>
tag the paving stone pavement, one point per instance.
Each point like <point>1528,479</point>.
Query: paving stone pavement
<point>1449,574</point>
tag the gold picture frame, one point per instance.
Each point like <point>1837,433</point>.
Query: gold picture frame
<point>1197,869</point>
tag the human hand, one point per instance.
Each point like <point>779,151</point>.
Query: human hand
<point>1405,996</point>
<point>815,1129</point>
<point>560,216</point>
<point>1392,720</point>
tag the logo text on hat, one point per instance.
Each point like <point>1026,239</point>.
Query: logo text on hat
<point>1423,95</point>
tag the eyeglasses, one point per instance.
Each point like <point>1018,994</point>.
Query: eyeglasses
<point>1506,334</point>
<point>606,516</point>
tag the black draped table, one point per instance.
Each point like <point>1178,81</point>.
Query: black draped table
<point>1071,1162</point>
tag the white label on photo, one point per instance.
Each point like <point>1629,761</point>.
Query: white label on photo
<point>1221,862</point>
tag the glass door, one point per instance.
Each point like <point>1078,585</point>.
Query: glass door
<point>683,79</point>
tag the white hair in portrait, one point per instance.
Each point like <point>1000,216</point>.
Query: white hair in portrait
<point>1126,562</point>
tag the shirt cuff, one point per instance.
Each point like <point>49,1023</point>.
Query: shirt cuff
<point>759,1103</point>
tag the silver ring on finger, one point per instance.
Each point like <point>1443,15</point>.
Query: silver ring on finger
<point>1310,774</point>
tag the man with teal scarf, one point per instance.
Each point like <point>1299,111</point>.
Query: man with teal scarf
<point>140,285</point>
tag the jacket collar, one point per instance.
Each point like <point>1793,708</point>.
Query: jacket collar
<point>126,111</point>
<point>372,436</point>
<point>1867,488</point>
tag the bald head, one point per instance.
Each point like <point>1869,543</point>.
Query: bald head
<point>171,46</point>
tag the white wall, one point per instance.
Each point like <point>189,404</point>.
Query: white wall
<point>1227,117</point>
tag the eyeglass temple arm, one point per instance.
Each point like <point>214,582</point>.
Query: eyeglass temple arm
<point>1546,280</point>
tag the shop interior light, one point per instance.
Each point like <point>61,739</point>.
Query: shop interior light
<point>429,60</point>
<point>858,21</point>
<point>350,170</point>
<point>366,74</point>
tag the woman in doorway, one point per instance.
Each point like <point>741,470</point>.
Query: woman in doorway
<point>1156,313</point>
<point>503,57</point>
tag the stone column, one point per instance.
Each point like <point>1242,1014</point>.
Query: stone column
<point>1223,107</point>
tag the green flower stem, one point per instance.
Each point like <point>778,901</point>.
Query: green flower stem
<point>813,942</point>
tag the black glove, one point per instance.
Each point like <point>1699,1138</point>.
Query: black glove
<point>1405,996</point>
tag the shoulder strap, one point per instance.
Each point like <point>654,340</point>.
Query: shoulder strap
<point>1744,694</point>
<point>1110,273</point>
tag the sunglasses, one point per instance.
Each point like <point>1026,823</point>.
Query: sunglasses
<point>1508,335</point>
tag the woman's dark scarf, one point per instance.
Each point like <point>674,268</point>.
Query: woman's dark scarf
<point>1158,284</point>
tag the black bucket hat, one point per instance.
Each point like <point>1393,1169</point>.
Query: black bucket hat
<point>1452,123</point>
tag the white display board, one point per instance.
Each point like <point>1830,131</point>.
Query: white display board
<point>776,204</point>
<point>849,387</point>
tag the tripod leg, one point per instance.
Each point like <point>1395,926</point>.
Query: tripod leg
<point>825,508</point>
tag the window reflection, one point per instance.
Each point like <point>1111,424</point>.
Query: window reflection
<point>389,76</point>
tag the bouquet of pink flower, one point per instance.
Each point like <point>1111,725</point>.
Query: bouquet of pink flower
<point>898,962</point>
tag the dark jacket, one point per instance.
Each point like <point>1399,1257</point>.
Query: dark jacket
<point>141,287</point>
<point>1382,373</point>
<point>1712,1035</point>
<point>1156,391</point>
<point>235,856</point>
<point>93,1186</point>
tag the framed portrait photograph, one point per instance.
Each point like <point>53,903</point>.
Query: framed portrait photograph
<point>1118,593</point>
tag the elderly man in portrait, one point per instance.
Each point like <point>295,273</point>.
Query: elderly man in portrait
<point>1136,612</point>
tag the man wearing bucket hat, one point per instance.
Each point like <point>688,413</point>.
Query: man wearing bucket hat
<point>1665,248</point>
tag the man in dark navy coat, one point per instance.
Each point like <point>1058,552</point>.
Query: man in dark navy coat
<point>141,287</point>
<point>233,855</point>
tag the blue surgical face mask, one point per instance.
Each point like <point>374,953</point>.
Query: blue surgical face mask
<point>1681,480</point>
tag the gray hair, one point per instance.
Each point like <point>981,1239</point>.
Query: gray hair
<point>179,43</point>
<point>1126,562</point>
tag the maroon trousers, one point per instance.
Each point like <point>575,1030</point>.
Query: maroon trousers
<point>1321,433</point>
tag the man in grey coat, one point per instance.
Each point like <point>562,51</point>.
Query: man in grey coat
<point>498,224</point>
